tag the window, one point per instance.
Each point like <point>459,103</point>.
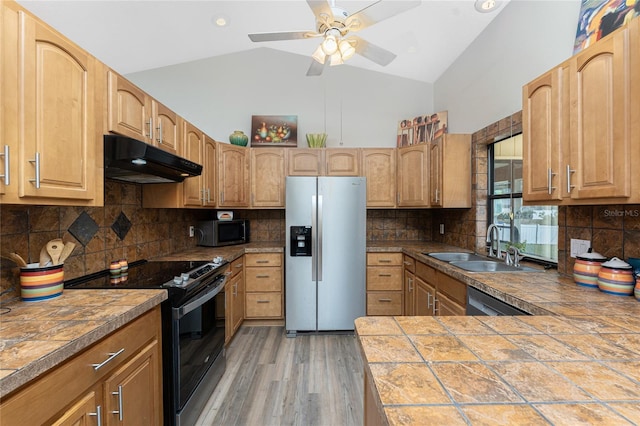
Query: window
<point>534,229</point>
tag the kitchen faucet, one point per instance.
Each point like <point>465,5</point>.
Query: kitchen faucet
<point>493,235</point>
<point>515,261</point>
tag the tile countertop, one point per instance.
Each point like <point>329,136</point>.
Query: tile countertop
<point>37,336</point>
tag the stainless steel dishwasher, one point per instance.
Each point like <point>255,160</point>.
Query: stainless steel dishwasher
<point>480,303</point>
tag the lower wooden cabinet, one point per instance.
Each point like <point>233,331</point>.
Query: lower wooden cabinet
<point>118,380</point>
<point>235,297</point>
<point>384,284</point>
<point>424,298</point>
<point>409,285</point>
<point>436,293</point>
<point>264,296</point>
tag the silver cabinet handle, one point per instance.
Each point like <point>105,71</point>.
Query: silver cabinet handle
<point>437,196</point>
<point>159,129</point>
<point>119,410</point>
<point>235,289</point>
<point>37,163</point>
<point>550,176</point>
<point>319,235</point>
<point>569,171</point>
<point>407,263</point>
<point>262,261</point>
<point>384,300</point>
<point>98,415</point>
<point>221,197</point>
<point>384,260</point>
<point>150,123</point>
<point>263,276</point>
<point>239,265</point>
<point>435,310</point>
<point>410,285</point>
<point>5,154</point>
<point>208,195</point>
<point>428,300</point>
<point>263,301</point>
<point>384,275</point>
<point>112,355</point>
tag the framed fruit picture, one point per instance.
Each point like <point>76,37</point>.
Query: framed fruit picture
<point>274,131</point>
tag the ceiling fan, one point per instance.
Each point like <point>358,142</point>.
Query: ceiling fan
<point>336,26</point>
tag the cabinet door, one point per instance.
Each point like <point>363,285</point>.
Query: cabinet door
<point>409,293</point>
<point>167,133</point>
<point>58,127</point>
<point>600,127</point>
<point>305,161</point>
<point>129,392</point>
<point>237,293</point>
<point>435,173</point>
<point>379,167</point>
<point>129,109</point>
<point>233,175</point>
<point>545,131</point>
<point>447,307</point>
<point>209,172</point>
<point>8,96</point>
<point>87,411</point>
<point>193,146</point>
<point>267,177</point>
<point>424,298</point>
<point>342,162</point>
<point>413,176</point>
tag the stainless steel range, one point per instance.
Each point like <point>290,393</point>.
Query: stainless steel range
<point>193,320</point>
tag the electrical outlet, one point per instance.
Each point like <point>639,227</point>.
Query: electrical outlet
<point>579,246</point>
<point>442,229</point>
<point>192,231</point>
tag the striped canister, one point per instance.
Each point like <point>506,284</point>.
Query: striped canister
<point>586,268</point>
<point>616,277</point>
<point>41,283</point>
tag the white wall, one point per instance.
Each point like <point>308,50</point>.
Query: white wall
<point>485,83</point>
<point>356,107</point>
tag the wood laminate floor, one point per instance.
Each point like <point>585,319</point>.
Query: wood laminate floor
<point>274,380</point>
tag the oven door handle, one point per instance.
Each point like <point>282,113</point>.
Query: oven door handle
<point>201,300</point>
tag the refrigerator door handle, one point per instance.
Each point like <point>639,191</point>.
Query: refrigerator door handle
<point>319,236</point>
<point>314,235</point>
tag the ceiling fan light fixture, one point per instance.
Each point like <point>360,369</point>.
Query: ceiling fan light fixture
<point>319,55</point>
<point>330,44</point>
<point>336,59</point>
<point>486,6</point>
<point>346,49</point>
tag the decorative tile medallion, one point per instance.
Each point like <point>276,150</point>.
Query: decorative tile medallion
<point>121,226</point>
<point>83,228</point>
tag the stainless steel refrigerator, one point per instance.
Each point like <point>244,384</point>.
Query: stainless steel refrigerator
<point>325,268</point>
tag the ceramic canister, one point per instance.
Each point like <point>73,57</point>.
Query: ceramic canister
<point>586,268</point>
<point>616,277</point>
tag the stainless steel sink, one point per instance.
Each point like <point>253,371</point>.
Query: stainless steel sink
<point>490,266</point>
<point>455,256</point>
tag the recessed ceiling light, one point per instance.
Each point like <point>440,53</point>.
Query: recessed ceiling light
<point>485,6</point>
<point>221,21</point>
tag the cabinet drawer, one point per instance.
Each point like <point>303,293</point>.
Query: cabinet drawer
<point>447,307</point>
<point>384,303</point>
<point>384,278</point>
<point>409,263</point>
<point>263,279</point>
<point>384,259</point>
<point>427,273</point>
<point>65,383</point>
<point>236,266</point>
<point>263,259</point>
<point>263,305</point>
<point>453,288</point>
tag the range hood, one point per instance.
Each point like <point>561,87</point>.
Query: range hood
<point>131,160</point>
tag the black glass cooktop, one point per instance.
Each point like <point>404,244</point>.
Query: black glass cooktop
<point>141,275</point>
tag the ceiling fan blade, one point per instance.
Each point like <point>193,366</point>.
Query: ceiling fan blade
<point>322,10</point>
<point>316,68</point>
<point>377,12</point>
<point>286,35</point>
<point>372,52</point>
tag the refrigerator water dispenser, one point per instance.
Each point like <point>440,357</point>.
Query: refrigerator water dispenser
<point>300,241</point>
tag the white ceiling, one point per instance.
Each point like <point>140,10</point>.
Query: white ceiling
<point>132,36</point>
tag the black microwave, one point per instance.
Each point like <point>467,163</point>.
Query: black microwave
<point>216,233</point>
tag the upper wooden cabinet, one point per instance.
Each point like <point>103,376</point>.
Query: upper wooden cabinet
<point>592,102</point>
<point>233,175</point>
<point>193,189</point>
<point>305,161</point>
<point>450,171</point>
<point>268,166</point>
<point>379,167</point>
<point>342,162</point>
<point>209,172</point>
<point>131,112</point>
<point>50,119</point>
<point>413,176</point>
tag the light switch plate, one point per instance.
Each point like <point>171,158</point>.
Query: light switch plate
<point>579,246</point>
<point>442,229</point>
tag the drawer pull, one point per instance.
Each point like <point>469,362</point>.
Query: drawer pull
<point>262,261</point>
<point>263,276</point>
<point>112,355</point>
<point>119,410</point>
<point>384,275</point>
<point>384,300</point>
<point>98,415</point>
<point>239,265</point>
<point>408,263</point>
<point>384,261</point>
<point>263,301</point>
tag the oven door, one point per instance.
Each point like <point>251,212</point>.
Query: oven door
<point>198,341</point>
